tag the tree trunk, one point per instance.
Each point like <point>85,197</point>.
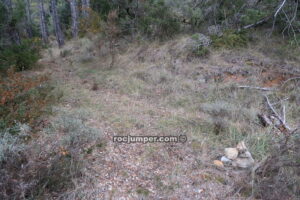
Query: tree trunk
<point>85,7</point>
<point>43,25</point>
<point>74,13</point>
<point>28,18</point>
<point>12,30</point>
<point>58,32</point>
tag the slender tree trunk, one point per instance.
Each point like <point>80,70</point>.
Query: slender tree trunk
<point>28,17</point>
<point>85,7</point>
<point>74,13</point>
<point>56,24</point>
<point>43,25</point>
<point>12,30</point>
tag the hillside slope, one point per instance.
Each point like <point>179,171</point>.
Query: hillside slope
<point>158,89</point>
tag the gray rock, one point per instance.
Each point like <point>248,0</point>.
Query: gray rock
<point>243,162</point>
<point>215,30</point>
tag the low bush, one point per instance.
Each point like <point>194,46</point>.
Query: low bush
<point>23,99</point>
<point>50,165</point>
<point>252,15</point>
<point>199,45</point>
<point>90,24</point>
<point>22,56</point>
<point>230,39</point>
<point>158,21</point>
<point>65,53</point>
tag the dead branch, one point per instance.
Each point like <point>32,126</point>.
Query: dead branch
<point>276,13</point>
<point>257,88</point>
<point>282,100</point>
<point>277,115</point>
<point>279,8</point>
<point>283,114</point>
<point>262,21</point>
<point>289,25</point>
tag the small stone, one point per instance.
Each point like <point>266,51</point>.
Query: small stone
<point>225,160</point>
<point>218,163</point>
<point>231,153</point>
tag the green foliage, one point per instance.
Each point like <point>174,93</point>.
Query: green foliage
<point>104,6</point>
<point>196,16</point>
<point>19,11</point>
<point>64,12</point>
<point>65,53</point>
<point>92,24</point>
<point>227,9</point>
<point>201,51</point>
<point>199,45</point>
<point>230,39</point>
<point>158,20</point>
<point>252,15</point>
<point>24,99</point>
<point>22,56</point>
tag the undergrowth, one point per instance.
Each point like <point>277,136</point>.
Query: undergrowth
<point>230,39</point>
<point>23,99</point>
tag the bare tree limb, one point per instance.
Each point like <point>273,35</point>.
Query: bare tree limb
<point>279,8</point>
<point>283,114</point>
<point>276,114</point>
<point>264,20</point>
<point>276,13</point>
<point>257,88</point>
<point>279,102</point>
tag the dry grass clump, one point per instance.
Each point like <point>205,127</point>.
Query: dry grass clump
<point>49,165</point>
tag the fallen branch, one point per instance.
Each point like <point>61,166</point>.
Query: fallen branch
<point>257,88</point>
<point>282,121</point>
<point>262,21</point>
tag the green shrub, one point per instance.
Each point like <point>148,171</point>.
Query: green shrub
<point>22,56</point>
<point>230,39</point>
<point>65,53</point>
<point>158,20</point>
<point>32,170</point>
<point>23,99</point>
<point>201,51</point>
<point>199,45</point>
<point>251,16</point>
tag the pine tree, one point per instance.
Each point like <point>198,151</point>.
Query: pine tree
<point>74,13</point>
<point>43,25</point>
<point>56,23</point>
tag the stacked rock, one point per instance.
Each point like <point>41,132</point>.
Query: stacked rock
<point>239,156</point>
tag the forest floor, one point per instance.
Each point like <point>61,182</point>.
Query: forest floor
<point>157,89</point>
